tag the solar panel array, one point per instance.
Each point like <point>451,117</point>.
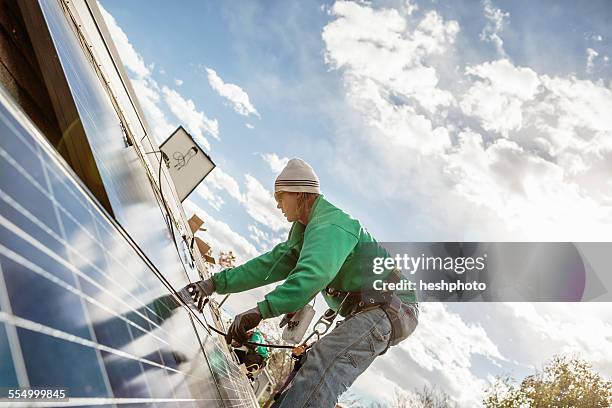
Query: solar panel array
<point>80,308</point>
<point>82,305</point>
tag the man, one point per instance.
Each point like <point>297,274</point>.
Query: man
<point>326,251</point>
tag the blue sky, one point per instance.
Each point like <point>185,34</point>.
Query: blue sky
<point>277,55</point>
<point>429,120</point>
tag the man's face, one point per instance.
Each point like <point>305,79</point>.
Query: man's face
<point>287,202</point>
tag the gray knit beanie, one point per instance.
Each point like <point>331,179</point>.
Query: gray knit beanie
<point>297,177</point>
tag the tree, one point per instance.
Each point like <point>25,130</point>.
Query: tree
<point>427,397</point>
<point>563,382</point>
<point>351,400</point>
<point>433,398</point>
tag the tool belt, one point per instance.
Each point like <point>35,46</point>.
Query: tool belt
<point>403,316</point>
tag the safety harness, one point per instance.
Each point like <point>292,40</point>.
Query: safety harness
<point>388,301</point>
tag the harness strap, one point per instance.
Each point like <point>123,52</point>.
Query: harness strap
<point>388,301</point>
<point>394,277</point>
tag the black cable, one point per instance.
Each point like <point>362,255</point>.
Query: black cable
<point>252,343</point>
<point>161,191</point>
<point>224,299</point>
<point>169,223</point>
<point>168,219</point>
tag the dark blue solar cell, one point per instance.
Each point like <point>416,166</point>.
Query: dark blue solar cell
<point>171,358</point>
<point>22,178</point>
<point>55,367</point>
<point>24,242</point>
<point>11,126</point>
<point>19,197</point>
<point>7,369</point>
<point>17,150</point>
<point>125,376</point>
<point>82,246</point>
<point>139,320</point>
<point>42,301</point>
<point>70,198</point>
<point>112,332</point>
<point>162,308</point>
<point>21,222</point>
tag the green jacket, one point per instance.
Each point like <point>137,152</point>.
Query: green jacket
<point>332,250</point>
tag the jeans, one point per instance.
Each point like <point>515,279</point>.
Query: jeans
<point>335,361</point>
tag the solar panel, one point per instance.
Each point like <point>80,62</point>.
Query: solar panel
<point>81,307</point>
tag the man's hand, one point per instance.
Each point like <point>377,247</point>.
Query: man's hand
<point>243,322</point>
<point>198,292</point>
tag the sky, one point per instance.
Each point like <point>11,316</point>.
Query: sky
<point>425,120</point>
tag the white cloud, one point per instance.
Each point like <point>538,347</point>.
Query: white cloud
<point>264,240</point>
<point>235,95</point>
<point>132,60</point>
<point>591,55</point>
<point>374,386</point>
<point>149,98</point>
<point>221,236</point>
<point>195,121</point>
<point>261,206</point>
<point>440,353</point>
<point>558,152</point>
<point>384,61</point>
<point>495,25</point>
<point>507,78</point>
<point>594,37</point>
<point>178,82</point>
<point>544,140</point>
<point>537,331</point>
<point>223,181</point>
<point>249,126</point>
<point>145,87</point>
<point>408,7</point>
<point>257,200</point>
<point>276,163</point>
<point>204,192</point>
<point>497,97</point>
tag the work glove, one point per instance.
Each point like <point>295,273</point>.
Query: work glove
<point>243,322</point>
<point>197,292</point>
<point>286,319</point>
